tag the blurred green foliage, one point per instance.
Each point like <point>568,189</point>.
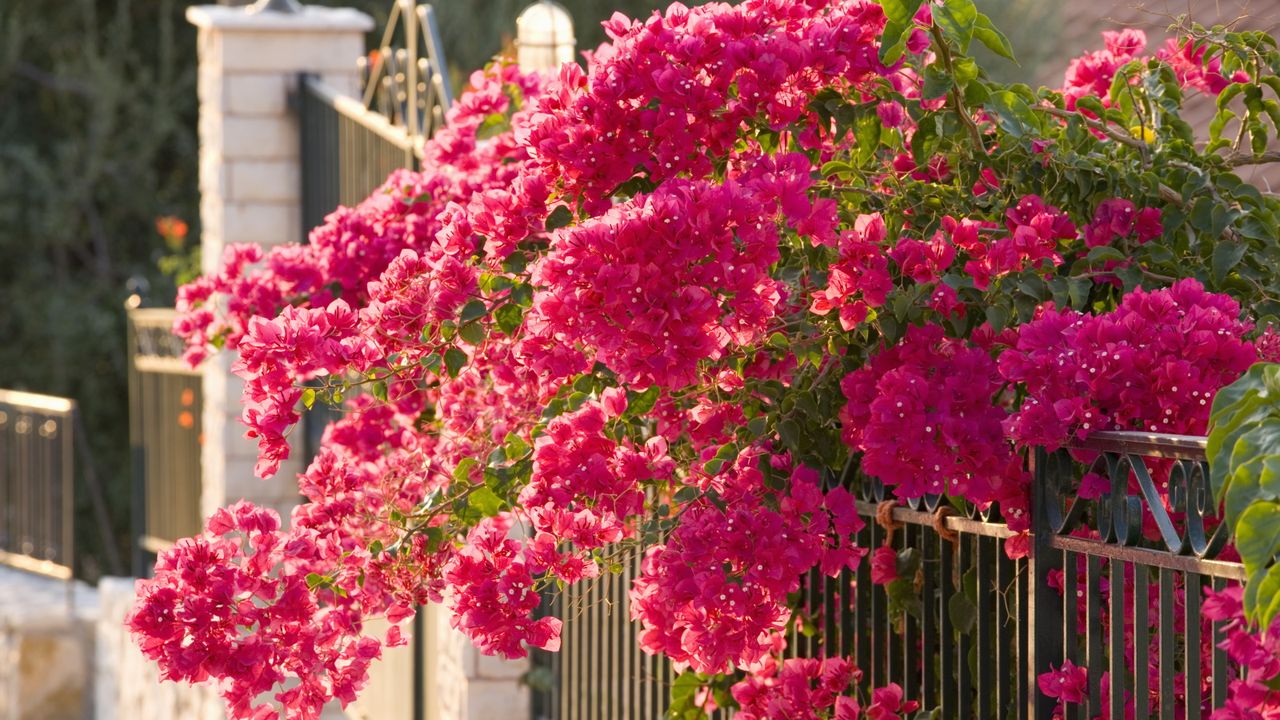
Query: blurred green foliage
<point>97,138</point>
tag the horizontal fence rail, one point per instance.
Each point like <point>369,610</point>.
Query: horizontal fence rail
<point>165,429</point>
<point>986,627</point>
<point>37,483</point>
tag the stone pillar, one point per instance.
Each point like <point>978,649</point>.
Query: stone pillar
<point>250,188</point>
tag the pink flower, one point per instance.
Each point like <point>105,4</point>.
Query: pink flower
<point>1069,682</point>
<point>884,565</point>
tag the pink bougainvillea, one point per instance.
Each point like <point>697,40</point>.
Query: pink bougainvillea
<point>653,308</point>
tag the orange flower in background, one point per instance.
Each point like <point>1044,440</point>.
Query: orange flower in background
<point>173,229</point>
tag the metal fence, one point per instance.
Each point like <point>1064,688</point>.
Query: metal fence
<point>348,148</point>
<point>986,626</point>
<point>350,145</point>
<point>37,483</point>
<point>165,402</point>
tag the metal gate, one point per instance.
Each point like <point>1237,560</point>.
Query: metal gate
<point>986,626</point>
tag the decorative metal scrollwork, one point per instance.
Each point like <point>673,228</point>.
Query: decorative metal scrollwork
<point>1170,475</point>
<point>407,80</point>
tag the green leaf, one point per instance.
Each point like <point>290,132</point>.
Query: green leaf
<point>379,390</point>
<point>998,317</point>
<point>560,217</point>
<point>1103,253</point>
<point>473,310</point>
<point>966,70</point>
<point>836,167</point>
<point>867,132</point>
<point>430,362</point>
<point>936,82</point>
<point>483,500</point>
<point>1258,535</point>
<point>454,360</point>
<point>639,404</point>
<point>963,612</point>
<point>472,333</point>
<point>900,11</point>
<point>316,580</point>
<point>494,124</point>
<point>727,452</point>
<point>1226,255</point>
<point>516,263</point>
<point>462,472</point>
<point>686,494</point>
<point>1078,290</point>
<point>1262,596</point>
<point>1012,113</point>
<point>789,431</point>
<point>985,32</point>
<point>509,317</point>
<point>958,19</point>
<point>308,398</point>
<point>516,446</point>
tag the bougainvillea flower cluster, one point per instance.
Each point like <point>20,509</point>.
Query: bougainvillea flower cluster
<point>662,309</point>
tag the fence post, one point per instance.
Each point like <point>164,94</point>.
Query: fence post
<point>249,187</point>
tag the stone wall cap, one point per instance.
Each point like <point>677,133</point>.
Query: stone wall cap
<point>312,19</point>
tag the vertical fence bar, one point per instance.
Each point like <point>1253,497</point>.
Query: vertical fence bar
<point>1191,631</point>
<point>947,687</point>
<point>1168,645</point>
<point>1141,642</point>
<point>986,626</point>
<point>964,643</point>
<point>1116,661</point>
<point>932,549</point>
<point>1094,657</point>
<point>1219,671</point>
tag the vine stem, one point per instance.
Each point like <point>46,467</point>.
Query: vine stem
<point>944,51</point>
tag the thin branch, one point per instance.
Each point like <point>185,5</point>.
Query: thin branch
<point>1104,128</point>
<point>1238,159</point>
<point>945,53</point>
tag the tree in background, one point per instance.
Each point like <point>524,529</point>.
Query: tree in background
<point>97,139</point>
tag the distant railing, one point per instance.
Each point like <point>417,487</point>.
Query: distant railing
<point>165,402</point>
<point>986,626</point>
<point>37,483</point>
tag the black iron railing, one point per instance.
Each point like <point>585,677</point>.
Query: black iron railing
<point>347,150</point>
<point>37,483</point>
<point>165,405</point>
<point>986,626</point>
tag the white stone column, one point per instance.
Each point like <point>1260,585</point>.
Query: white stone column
<point>249,192</point>
<point>250,188</point>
